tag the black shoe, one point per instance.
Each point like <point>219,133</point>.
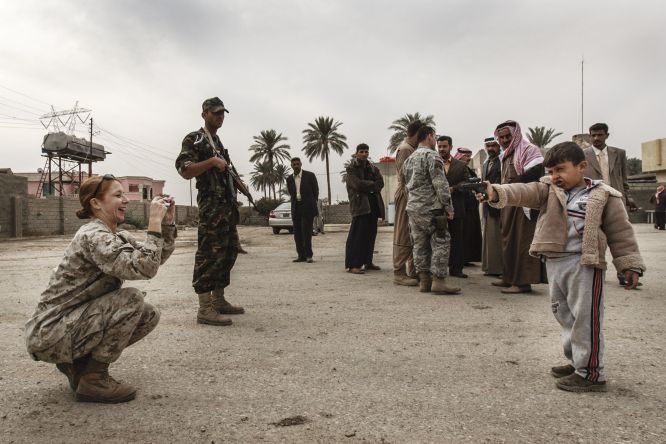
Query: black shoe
<point>299,259</point>
<point>459,274</point>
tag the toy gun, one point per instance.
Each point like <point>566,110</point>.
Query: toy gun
<point>475,185</point>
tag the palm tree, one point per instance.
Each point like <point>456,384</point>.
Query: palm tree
<point>540,136</point>
<point>262,177</point>
<point>267,147</point>
<point>281,172</point>
<point>343,173</point>
<point>399,128</point>
<point>320,138</point>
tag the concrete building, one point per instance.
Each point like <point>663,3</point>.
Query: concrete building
<point>386,166</point>
<point>136,188</point>
<point>653,154</point>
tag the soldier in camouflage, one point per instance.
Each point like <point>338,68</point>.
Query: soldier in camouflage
<point>429,206</point>
<point>84,319</point>
<point>203,157</point>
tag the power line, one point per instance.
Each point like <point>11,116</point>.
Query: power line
<point>19,108</point>
<point>24,95</point>
<point>7,116</point>
<point>22,127</point>
<point>22,104</point>
<point>138,147</point>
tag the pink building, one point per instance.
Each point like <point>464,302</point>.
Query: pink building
<point>136,188</point>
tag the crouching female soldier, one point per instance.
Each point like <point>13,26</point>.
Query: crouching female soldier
<point>84,318</point>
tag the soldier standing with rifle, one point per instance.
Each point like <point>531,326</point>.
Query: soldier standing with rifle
<point>204,157</point>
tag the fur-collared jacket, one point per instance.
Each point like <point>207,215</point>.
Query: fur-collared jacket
<point>606,222</point>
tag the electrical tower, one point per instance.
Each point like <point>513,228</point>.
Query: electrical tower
<point>65,153</point>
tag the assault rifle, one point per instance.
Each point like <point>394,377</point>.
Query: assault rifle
<point>240,186</point>
<point>475,185</point>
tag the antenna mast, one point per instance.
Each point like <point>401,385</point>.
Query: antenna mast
<point>582,95</point>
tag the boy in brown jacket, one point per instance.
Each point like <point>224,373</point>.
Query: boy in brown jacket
<point>578,218</point>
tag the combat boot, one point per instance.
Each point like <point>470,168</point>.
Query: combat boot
<point>74,370</point>
<point>400,278</point>
<point>96,385</point>
<point>425,282</point>
<point>207,314</point>
<point>222,306</point>
<point>439,286</point>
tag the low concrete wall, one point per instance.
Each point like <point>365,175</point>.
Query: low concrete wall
<point>333,214</point>
<point>337,214</point>
<point>57,215</point>
<point>12,190</point>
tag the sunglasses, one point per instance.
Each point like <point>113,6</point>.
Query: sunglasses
<point>99,185</point>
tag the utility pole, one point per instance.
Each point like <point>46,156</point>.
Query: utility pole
<point>90,156</point>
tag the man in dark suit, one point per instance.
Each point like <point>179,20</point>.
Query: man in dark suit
<point>456,173</point>
<point>304,192</point>
<point>609,164</point>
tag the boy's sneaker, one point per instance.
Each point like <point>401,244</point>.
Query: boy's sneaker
<point>562,370</point>
<point>576,383</point>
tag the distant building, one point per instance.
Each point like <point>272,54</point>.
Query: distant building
<point>386,166</point>
<point>653,155</point>
<point>136,188</point>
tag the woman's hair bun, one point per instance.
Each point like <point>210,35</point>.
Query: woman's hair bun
<point>83,213</point>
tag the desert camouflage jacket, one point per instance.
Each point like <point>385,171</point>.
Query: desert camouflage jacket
<point>96,262</point>
<point>426,184</point>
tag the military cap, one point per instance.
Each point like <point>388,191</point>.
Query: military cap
<point>213,105</point>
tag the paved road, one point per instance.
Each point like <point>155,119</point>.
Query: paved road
<point>346,358</point>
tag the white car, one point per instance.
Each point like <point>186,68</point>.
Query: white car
<point>280,218</point>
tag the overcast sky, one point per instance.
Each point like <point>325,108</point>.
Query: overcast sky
<point>144,67</point>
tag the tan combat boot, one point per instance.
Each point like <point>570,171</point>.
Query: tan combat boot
<point>222,306</point>
<point>425,282</point>
<point>74,370</point>
<point>207,314</point>
<point>440,286</point>
<point>400,278</point>
<point>96,385</point>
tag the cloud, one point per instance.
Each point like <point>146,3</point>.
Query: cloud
<point>144,67</point>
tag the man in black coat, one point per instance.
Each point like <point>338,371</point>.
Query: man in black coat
<point>304,192</point>
<point>364,185</point>
<point>456,173</point>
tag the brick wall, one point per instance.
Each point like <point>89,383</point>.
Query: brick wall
<point>337,214</point>
<point>57,215</point>
<point>333,214</point>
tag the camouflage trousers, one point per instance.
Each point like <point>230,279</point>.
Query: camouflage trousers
<point>104,327</point>
<point>218,248</point>
<point>431,246</point>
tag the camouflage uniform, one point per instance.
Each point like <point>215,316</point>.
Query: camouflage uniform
<point>84,310</point>
<point>218,214</point>
<point>428,196</point>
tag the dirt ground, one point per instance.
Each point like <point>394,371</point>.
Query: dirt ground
<point>325,356</point>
